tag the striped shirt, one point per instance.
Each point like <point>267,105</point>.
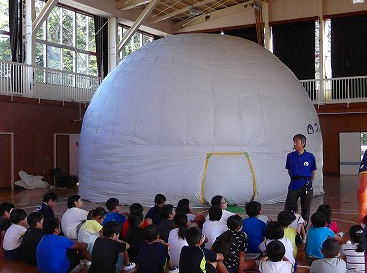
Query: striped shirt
<point>354,259</point>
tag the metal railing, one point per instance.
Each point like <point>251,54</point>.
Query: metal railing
<point>337,90</point>
<point>43,83</point>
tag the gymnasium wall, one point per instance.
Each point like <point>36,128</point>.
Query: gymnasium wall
<point>34,125</point>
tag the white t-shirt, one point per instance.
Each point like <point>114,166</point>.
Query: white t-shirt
<point>213,229</point>
<point>71,219</point>
<point>287,245</point>
<point>327,265</point>
<point>275,267</point>
<point>89,232</point>
<point>297,221</point>
<point>12,238</point>
<point>176,243</point>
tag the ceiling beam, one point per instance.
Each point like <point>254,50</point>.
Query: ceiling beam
<point>177,12</point>
<point>130,4</point>
<point>213,15</point>
<point>146,12</point>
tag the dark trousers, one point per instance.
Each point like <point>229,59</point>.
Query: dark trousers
<point>293,196</point>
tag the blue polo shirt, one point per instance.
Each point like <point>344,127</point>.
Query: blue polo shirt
<point>300,165</point>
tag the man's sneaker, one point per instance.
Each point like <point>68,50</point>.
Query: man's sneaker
<point>128,266</point>
<point>173,270</point>
<point>87,263</point>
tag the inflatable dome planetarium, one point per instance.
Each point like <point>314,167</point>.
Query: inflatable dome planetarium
<point>193,116</point>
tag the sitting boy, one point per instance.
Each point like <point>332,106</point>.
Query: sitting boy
<point>153,254</point>
<point>331,262</point>
<point>154,213</point>
<point>166,224</point>
<point>275,261</point>
<point>5,223</point>
<point>14,234</point>
<point>32,237</point>
<point>49,202</point>
<point>193,258</point>
<point>213,227</point>
<point>113,213</point>
<point>285,218</point>
<point>73,217</point>
<point>135,208</point>
<point>316,236</point>
<point>52,250</point>
<point>108,251</point>
<point>253,227</point>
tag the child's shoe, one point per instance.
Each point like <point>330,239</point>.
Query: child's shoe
<point>128,266</point>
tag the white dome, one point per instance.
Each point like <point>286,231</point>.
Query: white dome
<point>155,119</point>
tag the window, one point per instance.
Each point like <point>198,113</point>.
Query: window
<point>137,41</point>
<point>66,41</point>
<point>5,53</point>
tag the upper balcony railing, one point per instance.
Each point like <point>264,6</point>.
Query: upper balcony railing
<point>337,90</point>
<point>43,83</point>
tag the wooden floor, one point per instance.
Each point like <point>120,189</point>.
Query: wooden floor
<point>340,194</point>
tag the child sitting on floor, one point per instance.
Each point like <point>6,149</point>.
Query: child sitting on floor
<point>298,222</point>
<point>32,237</point>
<point>275,262</point>
<point>285,218</point>
<point>154,213</point>
<point>193,258</point>
<point>331,262</point>
<point>166,224</point>
<point>49,202</point>
<point>253,227</point>
<point>113,214</point>
<point>108,251</point>
<point>326,209</point>
<point>13,236</point>
<point>153,254</point>
<point>353,252</point>
<point>5,223</point>
<point>135,208</point>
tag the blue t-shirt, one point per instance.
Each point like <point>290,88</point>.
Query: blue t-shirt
<point>255,230</point>
<point>300,165</point>
<point>315,238</point>
<point>114,216</point>
<point>51,254</point>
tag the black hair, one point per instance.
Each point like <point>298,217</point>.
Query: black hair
<point>34,217</point>
<point>136,208</point>
<point>330,248</point>
<point>151,233</point>
<point>193,235</point>
<point>112,203</point>
<point>318,219</point>
<point>110,228</point>
<point>49,196</point>
<point>292,207</point>
<point>6,207</point>
<point>17,215</point>
<point>216,200</point>
<point>285,218</point>
<point>50,224</point>
<point>253,208</point>
<point>166,210</point>
<point>135,220</point>
<point>215,213</point>
<point>183,206</point>
<point>275,251</point>
<point>274,231</point>
<point>302,138</point>
<point>180,222</point>
<point>159,199</point>
<point>233,222</point>
<point>325,209</point>
<point>72,199</point>
<point>356,236</point>
<point>98,212</point>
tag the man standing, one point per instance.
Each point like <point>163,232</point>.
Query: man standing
<point>301,166</point>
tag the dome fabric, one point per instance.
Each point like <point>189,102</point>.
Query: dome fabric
<point>193,116</point>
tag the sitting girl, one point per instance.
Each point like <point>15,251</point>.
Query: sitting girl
<point>352,252</point>
<point>326,209</point>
